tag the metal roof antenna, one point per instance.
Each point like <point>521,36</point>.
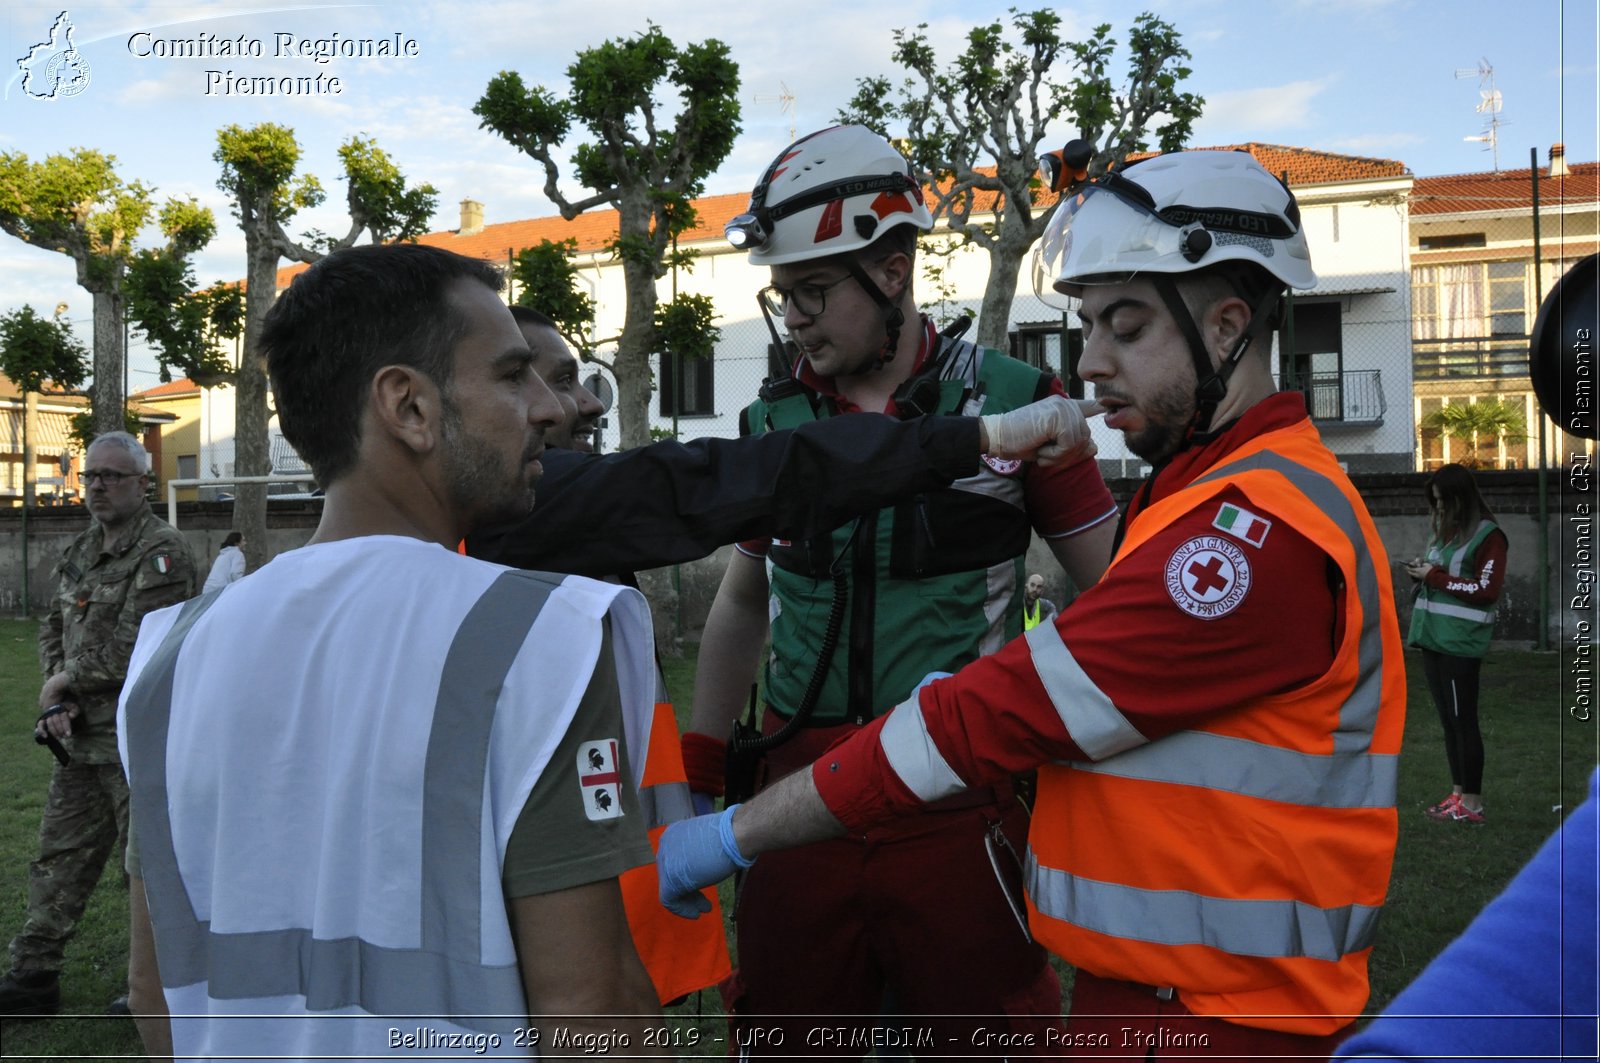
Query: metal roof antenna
<point>785,100</point>
<point>1489,103</point>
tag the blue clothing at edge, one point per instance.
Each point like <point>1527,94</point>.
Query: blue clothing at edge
<point>1521,981</point>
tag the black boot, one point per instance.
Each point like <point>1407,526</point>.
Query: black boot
<point>30,993</point>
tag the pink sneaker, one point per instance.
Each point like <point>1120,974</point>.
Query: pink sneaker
<point>1462,814</point>
<point>1443,809</point>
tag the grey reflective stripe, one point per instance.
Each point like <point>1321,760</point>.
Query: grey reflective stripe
<point>910,751</point>
<point>1251,769</point>
<point>1454,609</point>
<point>181,947</point>
<point>991,484</point>
<point>1467,551</point>
<point>1096,725</point>
<point>1358,716</point>
<point>665,803</point>
<point>455,772</point>
<point>1000,596</point>
<point>349,972</point>
<point>1276,928</point>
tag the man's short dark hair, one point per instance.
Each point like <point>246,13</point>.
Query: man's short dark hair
<point>527,315</point>
<point>342,320</point>
<point>900,239</point>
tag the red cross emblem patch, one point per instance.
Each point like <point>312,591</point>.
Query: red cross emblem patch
<point>1208,576</point>
<point>600,780</point>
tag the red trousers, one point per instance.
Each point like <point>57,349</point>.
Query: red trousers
<point>1116,1020</point>
<point>910,915</point>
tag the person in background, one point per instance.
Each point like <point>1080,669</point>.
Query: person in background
<point>1452,622</point>
<point>1036,608</point>
<point>229,565</point>
<point>126,564</point>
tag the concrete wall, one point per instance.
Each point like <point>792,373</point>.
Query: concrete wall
<point>51,529</point>
<point>1397,504</point>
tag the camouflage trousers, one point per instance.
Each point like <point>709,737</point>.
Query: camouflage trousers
<point>85,815</point>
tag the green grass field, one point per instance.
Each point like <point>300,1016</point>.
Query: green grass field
<point>1538,759</point>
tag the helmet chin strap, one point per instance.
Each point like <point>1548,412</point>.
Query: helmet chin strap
<point>1211,383</point>
<point>893,316</point>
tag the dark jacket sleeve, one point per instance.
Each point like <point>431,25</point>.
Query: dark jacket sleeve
<point>673,502</point>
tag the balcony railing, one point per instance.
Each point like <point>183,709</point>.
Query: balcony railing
<point>1455,359</point>
<point>1353,398</point>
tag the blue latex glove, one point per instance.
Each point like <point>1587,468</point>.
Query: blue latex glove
<point>930,677</point>
<point>695,853</point>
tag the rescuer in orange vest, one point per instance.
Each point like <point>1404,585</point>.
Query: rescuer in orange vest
<point>1217,722</point>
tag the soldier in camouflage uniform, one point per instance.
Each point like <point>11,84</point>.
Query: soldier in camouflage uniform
<point>126,564</point>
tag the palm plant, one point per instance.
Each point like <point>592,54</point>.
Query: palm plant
<point>1468,422</point>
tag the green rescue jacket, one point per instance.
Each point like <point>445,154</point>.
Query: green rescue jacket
<point>1444,623</point>
<point>931,584</point>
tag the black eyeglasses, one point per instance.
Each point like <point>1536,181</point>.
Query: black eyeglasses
<point>109,477</point>
<point>810,299</point>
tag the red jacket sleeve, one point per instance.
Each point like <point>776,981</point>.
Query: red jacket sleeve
<point>1482,585</point>
<point>1065,500</point>
<point>1150,640</point>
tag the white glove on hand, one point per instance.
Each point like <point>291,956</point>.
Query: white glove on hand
<point>1052,431</point>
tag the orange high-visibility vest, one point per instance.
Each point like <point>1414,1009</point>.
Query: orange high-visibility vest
<point>1243,862</point>
<point>682,955</point>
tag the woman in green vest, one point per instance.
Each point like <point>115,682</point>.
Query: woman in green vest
<point>1452,622</point>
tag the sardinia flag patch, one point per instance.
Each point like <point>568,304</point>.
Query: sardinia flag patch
<point>1242,523</point>
<point>600,780</point>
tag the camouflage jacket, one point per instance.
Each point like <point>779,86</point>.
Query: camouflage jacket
<point>101,595</point>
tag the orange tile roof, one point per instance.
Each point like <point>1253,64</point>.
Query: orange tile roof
<point>1306,166</point>
<point>595,229</point>
<point>51,393</point>
<point>1507,190</point>
<point>181,386</point>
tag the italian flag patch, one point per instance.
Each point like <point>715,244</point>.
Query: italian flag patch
<point>161,563</point>
<point>1242,523</point>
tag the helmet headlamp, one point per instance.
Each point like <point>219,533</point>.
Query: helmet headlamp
<point>745,231</point>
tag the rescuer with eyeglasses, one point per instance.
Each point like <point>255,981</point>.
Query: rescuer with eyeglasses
<point>924,915</point>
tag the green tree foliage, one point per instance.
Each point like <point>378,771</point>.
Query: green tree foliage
<point>259,166</point>
<point>684,327</point>
<point>82,429</point>
<point>183,324</point>
<point>35,350</point>
<point>637,161</point>
<point>1469,423</point>
<point>546,278</point>
<point>975,129</point>
<point>77,205</point>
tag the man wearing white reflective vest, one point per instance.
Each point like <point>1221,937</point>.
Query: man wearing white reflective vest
<point>409,791</point>
<point>1216,722</point>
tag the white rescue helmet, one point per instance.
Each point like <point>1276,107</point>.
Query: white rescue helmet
<point>828,193</point>
<point>1170,214</point>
